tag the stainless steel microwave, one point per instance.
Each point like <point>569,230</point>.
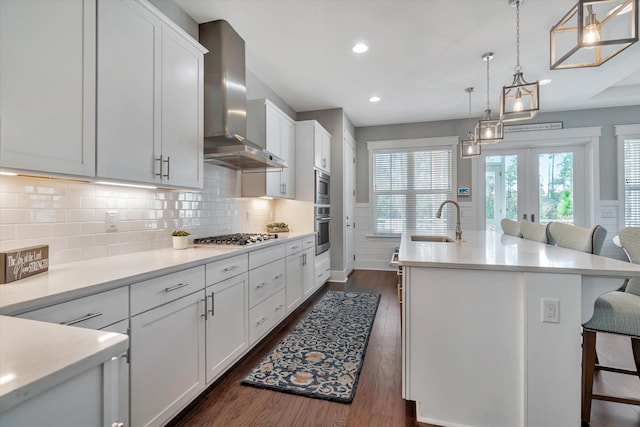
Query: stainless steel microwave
<point>322,188</point>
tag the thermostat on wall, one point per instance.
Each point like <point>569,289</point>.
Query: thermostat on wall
<point>463,191</point>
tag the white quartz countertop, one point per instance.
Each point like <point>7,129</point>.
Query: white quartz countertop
<point>487,250</point>
<point>51,355</point>
<point>73,280</point>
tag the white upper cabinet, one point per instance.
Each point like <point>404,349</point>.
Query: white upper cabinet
<point>312,140</point>
<point>149,98</point>
<point>47,86</point>
<point>322,149</point>
<point>127,37</point>
<point>271,128</point>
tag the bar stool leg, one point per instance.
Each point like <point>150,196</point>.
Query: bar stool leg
<point>588,370</point>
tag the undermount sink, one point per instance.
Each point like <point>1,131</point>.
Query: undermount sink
<point>428,238</point>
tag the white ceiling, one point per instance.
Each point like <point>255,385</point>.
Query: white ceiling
<point>423,54</point>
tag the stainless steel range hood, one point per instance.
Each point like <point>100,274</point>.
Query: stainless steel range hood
<point>225,103</point>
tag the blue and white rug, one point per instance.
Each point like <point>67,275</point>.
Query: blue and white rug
<point>322,355</point>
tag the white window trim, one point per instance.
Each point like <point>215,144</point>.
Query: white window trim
<point>450,142</point>
<point>623,132</point>
<point>587,136</point>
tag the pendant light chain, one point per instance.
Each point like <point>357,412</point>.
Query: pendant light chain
<point>518,68</point>
<point>488,58</point>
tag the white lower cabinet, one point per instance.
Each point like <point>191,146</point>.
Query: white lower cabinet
<point>167,350</point>
<point>323,268</point>
<point>227,326</point>
<point>122,368</point>
<point>264,316</point>
<point>84,400</point>
<point>308,273</point>
<point>300,267</point>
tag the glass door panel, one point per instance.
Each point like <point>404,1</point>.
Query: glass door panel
<point>533,184</point>
<point>501,189</point>
<point>556,187</point>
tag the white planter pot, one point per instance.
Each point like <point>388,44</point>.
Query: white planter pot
<point>180,242</point>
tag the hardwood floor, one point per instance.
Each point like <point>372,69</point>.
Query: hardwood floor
<point>378,400</point>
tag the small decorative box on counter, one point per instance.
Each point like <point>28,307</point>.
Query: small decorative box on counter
<point>20,263</point>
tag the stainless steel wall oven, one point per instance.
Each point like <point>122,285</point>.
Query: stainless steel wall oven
<point>323,218</point>
<point>322,188</point>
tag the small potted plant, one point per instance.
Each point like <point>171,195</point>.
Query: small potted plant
<point>180,239</point>
<point>277,227</point>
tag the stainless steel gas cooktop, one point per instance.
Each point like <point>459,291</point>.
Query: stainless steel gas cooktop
<point>236,239</point>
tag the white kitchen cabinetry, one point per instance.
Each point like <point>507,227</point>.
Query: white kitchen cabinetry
<point>300,281</point>
<point>322,149</point>
<point>267,299</point>
<point>106,311</point>
<point>227,320</point>
<point>167,352</point>
<point>323,268</point>
<point>312,141</point>
<point>47,82</point>
<point>149,107</point>
<point>271,128</point>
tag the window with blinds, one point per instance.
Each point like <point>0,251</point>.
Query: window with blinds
<point>408,186</point>
<point>632,182</point>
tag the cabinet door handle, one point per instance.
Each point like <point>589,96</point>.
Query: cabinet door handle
<point>178,286</point>
<point>168,162</point>
<point>261,285</point>
<point>82,319</point>
<point>233,267</point>
<point>278,308</point>
<point>205,308</point>
<point>213,304</point>
<point>277,276</point>
<point>261,321</point>
<point>117,424</point>
<point>159,159</point>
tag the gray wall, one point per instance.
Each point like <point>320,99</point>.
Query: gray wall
<point>605,117</point>
<point>256,89</point>
<point>177,15</point>
<point>333,121</point>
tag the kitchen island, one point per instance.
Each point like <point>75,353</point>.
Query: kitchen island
<point>476,351</point>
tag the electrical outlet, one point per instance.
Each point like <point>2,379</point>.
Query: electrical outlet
<point>550,310</point>
<point>112,220</point>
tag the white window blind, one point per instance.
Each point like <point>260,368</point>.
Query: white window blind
<point>408,186</point>
<point>632,182</point>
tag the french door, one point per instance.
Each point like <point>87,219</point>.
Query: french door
<point>535,184</point>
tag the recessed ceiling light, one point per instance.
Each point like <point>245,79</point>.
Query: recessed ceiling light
<point>360,48</point>
<point>374,99</point>
<point>544,82</point>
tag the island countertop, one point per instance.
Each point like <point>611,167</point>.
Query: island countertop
<point>488,250</point>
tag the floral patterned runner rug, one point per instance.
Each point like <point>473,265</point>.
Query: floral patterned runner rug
<point>322,355</point>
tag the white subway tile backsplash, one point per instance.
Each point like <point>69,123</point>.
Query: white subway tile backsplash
<point>71,217</point>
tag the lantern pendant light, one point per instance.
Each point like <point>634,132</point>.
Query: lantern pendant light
<point>593,32</point>
<point>469,148</point>
<point>520,101</point>
<point>488,130</point>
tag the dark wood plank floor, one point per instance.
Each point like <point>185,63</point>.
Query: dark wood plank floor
<point>378,400</point>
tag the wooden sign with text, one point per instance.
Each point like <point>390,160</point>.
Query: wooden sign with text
<point>20,263</point>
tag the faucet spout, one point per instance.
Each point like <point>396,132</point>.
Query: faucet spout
<point>458,228</point>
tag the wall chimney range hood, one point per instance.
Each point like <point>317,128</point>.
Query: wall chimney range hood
<point>225,103</point>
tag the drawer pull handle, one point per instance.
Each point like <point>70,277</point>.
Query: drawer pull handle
<point>320,275</point>
<point>277,276</point>
<point>213,304</point>
<point>261,285</point>
<point>82,319</point>
<point>279,307</point>
<point>294,247</point>
<point>178,286</point>
<point>261,321</point>
<point>233,267</point>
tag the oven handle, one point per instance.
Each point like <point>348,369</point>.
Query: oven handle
<point>323,219</point>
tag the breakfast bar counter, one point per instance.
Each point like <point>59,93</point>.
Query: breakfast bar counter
<point>477,350</point>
